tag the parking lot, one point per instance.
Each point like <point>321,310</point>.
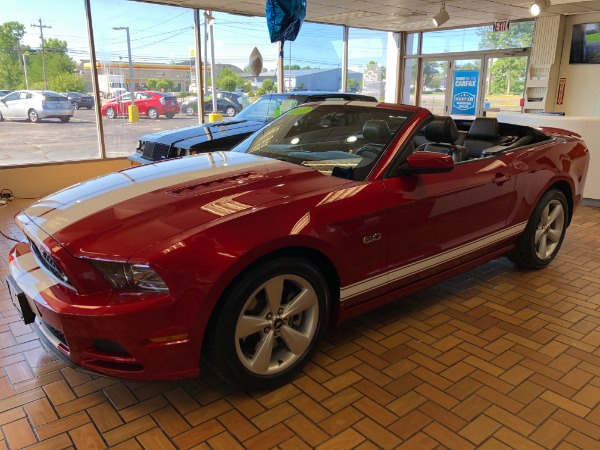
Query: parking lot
<point>23,142</point>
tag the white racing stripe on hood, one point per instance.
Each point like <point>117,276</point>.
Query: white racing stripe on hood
<point>57,211</point>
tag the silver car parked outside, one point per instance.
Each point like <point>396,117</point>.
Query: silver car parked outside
<point>35,106</point>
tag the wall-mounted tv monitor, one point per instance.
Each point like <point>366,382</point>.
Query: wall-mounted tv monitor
<point>585,43</point>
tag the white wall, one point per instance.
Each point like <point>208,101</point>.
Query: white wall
<point>582,89</point>
<point>39,181</point>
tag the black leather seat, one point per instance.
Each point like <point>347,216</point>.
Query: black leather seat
<point>375,133</point>
<point>441,134</point>
<point>484,133</point>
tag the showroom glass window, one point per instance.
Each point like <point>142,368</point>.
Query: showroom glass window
<point>160,39</point>
<point>305,68</point>
<point>367,56</point>
<point>22,64</point>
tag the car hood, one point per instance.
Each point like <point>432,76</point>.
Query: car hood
<point>187,137</point>
<point>117,215</point>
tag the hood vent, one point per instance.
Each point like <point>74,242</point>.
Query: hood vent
<point>216,183</point>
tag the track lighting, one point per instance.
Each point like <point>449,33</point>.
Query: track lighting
<point>538,7</point>
<point>441,17</point>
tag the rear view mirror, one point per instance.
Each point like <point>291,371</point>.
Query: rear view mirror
<point>427,162</point>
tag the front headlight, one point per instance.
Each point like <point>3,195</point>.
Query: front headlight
<point>130,276</point>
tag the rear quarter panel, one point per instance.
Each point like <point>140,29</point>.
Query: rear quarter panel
<point>562,160</point>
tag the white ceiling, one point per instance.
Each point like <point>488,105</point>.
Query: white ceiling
<point>399,15</point>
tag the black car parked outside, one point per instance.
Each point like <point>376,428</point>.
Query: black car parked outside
<point>228,103</point>
<point>223,135</point>
<point>79,100</point>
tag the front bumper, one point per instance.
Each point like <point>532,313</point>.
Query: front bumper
<point>117,339</point>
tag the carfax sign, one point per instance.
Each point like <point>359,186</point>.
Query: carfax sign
<point>464,93</point>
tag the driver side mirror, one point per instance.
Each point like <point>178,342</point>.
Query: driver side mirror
<point>426,162</point>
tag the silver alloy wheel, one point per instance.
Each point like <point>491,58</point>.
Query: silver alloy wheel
<point>33,116</point>
<point>277,324</point>
<point>230,111</point>
<point>189,111</point>
<point>549,230</point>
<point>153,113</point>
<point>110,113</point>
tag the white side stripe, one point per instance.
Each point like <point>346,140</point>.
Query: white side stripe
<point>425,264</point>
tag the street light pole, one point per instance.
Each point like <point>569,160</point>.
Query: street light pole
<point>131,83</point>
<point>132,109</point>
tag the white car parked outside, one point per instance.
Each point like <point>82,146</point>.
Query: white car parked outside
<point>35,106</point>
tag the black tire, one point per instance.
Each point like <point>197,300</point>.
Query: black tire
<point>170,115</point>
<point>33,116</point>
<point>544,233</point>
<point>271,328</point>
<point>153,113</point>
<point>65,119</point>
<point>110,113</point>
<point>1,118</point>
<point>190,111</point>
<point>230,111</point>
<point>75,105</point>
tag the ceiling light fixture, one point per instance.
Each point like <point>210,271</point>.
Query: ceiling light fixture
<point>538,7</point>
<point>441,17</point>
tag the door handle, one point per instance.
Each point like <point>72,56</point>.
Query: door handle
<point>501,178</point>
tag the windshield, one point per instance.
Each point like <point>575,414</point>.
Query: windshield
<point>268,108</point>
<point>335,138</point>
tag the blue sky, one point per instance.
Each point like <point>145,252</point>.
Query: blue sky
<point>165,34</point>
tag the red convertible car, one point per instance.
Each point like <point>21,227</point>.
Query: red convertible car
<point>244,257</point>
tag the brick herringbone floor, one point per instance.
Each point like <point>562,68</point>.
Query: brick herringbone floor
<point>496,358</point>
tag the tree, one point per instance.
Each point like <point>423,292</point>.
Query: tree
<point>293,67</point>
<point>57,61</point>
<point>353,85</point>
<point>266,87</point>
<point>228,80</point>
<point>11,69</point>
<point>67,82</point>
<point>162,84</point>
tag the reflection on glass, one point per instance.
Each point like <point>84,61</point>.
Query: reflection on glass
<point>410,81</point>
<point>367,53</point>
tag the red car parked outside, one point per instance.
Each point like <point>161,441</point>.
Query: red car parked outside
<point>150,104</point>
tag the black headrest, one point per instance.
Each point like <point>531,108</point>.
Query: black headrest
<point>442,129</point>
<point>484,128</point>
<point>376,129</point>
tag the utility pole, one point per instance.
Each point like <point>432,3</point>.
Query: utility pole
<point>41,27</point>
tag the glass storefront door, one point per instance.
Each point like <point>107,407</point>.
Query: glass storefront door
<point>434,76</point>
<point>504,84</point>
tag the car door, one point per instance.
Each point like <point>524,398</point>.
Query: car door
<point>439,221</point>
<point>123,103</point>
<point>14,105</point>
<point>7,105</point>
<point>141,101</point>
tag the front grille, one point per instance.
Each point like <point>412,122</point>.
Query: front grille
<point>48,263</point>
<point>155,152</point>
